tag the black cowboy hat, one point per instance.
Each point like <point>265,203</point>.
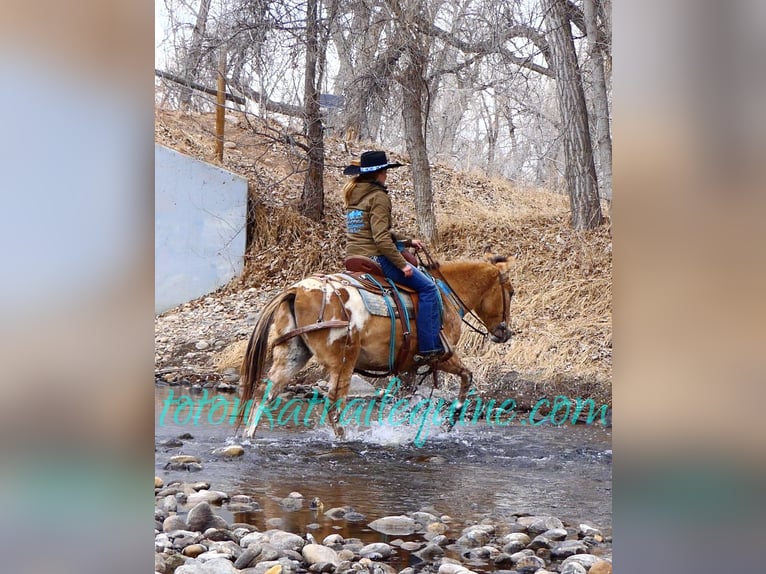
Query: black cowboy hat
<point>370,162</point>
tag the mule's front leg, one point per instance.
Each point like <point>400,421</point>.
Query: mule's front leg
<point>456,367</point>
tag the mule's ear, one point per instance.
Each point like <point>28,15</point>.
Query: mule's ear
<point>488,255</point>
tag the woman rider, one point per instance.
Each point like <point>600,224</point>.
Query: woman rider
<point>368,233</point>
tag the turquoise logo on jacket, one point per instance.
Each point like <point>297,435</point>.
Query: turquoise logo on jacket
<point>354,220</point>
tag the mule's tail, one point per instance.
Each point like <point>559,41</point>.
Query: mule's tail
<point>257,352</point>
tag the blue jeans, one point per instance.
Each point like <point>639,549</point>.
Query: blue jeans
<point>428,320</point>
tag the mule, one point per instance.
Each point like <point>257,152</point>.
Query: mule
<point>325,317</point>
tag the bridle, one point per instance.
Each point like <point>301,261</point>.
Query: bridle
<point>433,267</point>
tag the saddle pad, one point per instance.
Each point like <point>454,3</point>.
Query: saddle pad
<point>375,304</point>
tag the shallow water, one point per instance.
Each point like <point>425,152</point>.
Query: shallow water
<point>470,473</point>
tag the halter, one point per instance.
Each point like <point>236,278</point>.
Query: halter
<point>463,310</point>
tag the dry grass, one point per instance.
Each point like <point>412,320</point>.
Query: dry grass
<point>561,310</point>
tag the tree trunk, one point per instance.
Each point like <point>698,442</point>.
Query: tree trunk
<point>312,198</point>
<point>600,98</point>
<point>580,170</point>
<point>412,114</point>
<point>194,56</point>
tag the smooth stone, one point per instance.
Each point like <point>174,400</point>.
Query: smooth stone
<point>424,518</point>
<point>346,554</point>
<point>450,568</point>
<point>219,566</point>
<point>169,503</point>
<point>555,534</point>
<point>354,516</point>
<point>412,546</point>
<point>275,523</point>
<point>540,542</point>
<point>184,459</point>
<point>194,550</point>
<point>210,496</point>
<point>248,557</point>
<point>539,524</point>
<point>201,485</point>
<point>219,535</point>
<point>295,494</point>
<point>242,507</point>
<point>514,546</point>
<point>568,548</point>
<point>291,504</point>
<point>586,560</point>
<point>503,559</point>
<point>202,345</point>
<point>158,482</point>
<point>380,548</point>
<point>584,530</point>
<point>521,554</point>
<point>440,540</point>
<point>286,540</point>
<point>334,541</point>
<point>394,525</point>
<point>316,553</point>
<point>199,517</point>
<point>231,451</point>
<point>253,538</point>
<point>175,522</point>
<point>336,513</point>
<point>531,563</point>
<point>573,568</point>
<point>227,547</point>
<point>601,567</point>
<point>436,528</point>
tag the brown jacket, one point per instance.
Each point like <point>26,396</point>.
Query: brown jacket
<point>368,224</point>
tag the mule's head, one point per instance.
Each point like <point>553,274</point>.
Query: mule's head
<point>495,306</point>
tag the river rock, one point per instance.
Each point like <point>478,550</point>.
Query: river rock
<point>451,568</point>
<point>521,554</point>
<point>175,522</point>
<point>184,459</point>
<point>584,530</point>
<point>424,518</point>
<point>231,451</point>
<point>359,387</point>
<point>475,536</point>
<point>158,482</point>
<point>394,525</point>
<point>530,564</point>
<point>282,540</point>
<point>253,538</point>
<point>539,524</point>
<point>220,535</point>
<point>430,553</point>
<point>568,548</point>
<point>381,548</point>
<point>334,541</point>
<point>169,503</point>
<point>556,534</point>
<point>210,496</point>
<point>354,516</point>
<point>194,550</point>
<point>436,528</point>
<point>573,568</point>
<point>601,567</point>
<point>410,546</point>
<point>336,513</point>
<point>540,542</point>
<point>200,517</point>
<point>316,553</point>
<point>248,557</point>
<point>291,504</point>
<point>586,560</point>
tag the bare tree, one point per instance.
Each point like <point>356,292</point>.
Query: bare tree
<point>580,170</point>
<point>312,198</point>
<point>194,55</point>
<point>600,97</point>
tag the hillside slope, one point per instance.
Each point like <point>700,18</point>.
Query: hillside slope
<point>561,311</point>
